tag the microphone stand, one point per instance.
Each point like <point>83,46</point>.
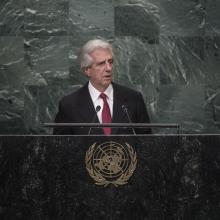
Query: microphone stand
<point>97,109</point>
<point>129,119</point>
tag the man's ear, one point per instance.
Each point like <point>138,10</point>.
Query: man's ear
<point>86,71</point>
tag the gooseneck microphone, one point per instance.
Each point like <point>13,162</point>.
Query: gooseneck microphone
<point>125,109</point>
<point>97,109</point>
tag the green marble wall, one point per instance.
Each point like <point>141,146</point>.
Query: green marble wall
<point>167,49</point>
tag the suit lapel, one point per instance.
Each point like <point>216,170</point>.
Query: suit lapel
<point>86,108</point>
<point>118,113</point>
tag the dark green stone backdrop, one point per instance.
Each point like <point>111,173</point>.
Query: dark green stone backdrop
<point>167,49</point>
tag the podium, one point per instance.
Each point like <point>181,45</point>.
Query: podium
<point>122,177</point>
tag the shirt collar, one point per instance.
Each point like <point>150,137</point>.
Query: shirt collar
<point>96,93</point>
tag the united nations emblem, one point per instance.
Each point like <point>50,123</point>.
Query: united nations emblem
<point>111,163</point>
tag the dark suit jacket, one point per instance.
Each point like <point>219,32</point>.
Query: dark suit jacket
<point>78,108</point>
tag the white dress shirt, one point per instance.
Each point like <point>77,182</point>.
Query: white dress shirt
<point>94,93</point>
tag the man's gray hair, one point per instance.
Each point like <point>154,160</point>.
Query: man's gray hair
<point>89,47</point>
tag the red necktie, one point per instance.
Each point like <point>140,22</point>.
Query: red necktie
<point>106,114</point>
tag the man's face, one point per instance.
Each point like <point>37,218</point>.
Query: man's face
<point>100,72</point>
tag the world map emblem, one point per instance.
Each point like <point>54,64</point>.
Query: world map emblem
<point>111,163</point>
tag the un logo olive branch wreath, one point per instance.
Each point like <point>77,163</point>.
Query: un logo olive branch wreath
<point>110,163</point>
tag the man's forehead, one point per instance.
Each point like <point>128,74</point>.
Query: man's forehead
<point>100,52</point>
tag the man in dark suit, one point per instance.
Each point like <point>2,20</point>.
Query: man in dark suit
<point>100,100</point>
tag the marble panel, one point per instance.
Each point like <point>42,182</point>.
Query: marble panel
<point>212,17</point>
<point>137,18</point>
<point>94,13</point>
<point>12,75</point>
<point>136,65</point>
<point>213,101</point>
<point>11,111</point>
<point>182,18</point>
<point>167,17</point>
<point>46,18</point>
<point>186,105</point>
<point>47,59</point>
<point>87,20</point>
<point>136,62</point>
<point>182,60</point>
<point>12,66</point>
<point>11,17</point>
<point>212,61</point>
<point>41,105</point>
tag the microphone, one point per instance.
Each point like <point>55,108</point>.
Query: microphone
<point>125,109</point>
<point>97,109</point>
